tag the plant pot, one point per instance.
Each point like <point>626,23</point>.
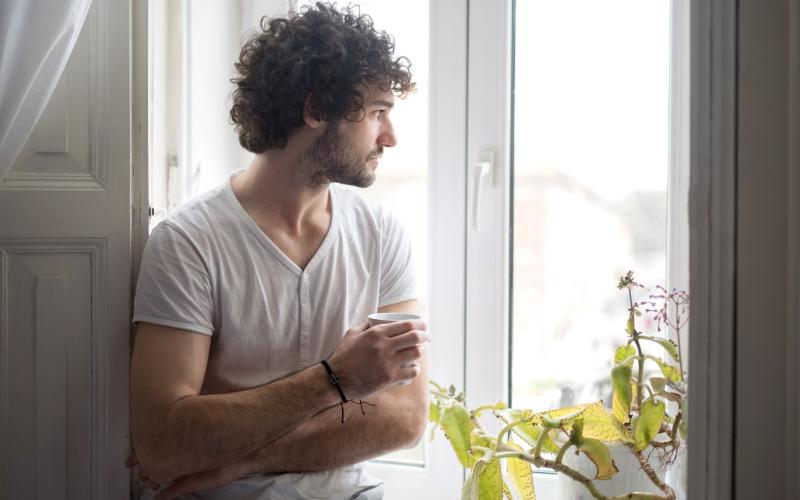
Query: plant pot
<point>630,477</point>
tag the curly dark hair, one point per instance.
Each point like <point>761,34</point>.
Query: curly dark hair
<point>322,53</point>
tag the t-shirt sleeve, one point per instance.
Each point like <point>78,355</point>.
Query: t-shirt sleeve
<point>398,276</point>
<point>174,287</point>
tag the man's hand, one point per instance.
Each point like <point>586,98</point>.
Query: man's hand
<point>192,483</point>
<point>208,480</point>
<point>369,360</point>
<point>133,463</point>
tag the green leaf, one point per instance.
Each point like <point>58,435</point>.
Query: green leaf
<point>458,427</point>
<point>683,427</point>
<point>668,345</point>
<point>630,327</point>
<point>484,481</point>
<point>623,353</point>
<point>600,455</point>
<point>520,476</point>
<point>649,422</point>
<point>576,433</point>
<point>491,481</point>
<point>434,413</point>
<point>471,488</point>
<point>620,378</point>
<point>479,437</point>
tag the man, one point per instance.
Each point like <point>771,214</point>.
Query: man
<point>244,291</point>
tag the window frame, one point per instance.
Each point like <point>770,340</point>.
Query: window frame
<point>488,249</point>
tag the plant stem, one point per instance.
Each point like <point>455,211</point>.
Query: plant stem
<point>640,375</point>
<point>563,451</point>
<point>510,426</point>
<point>537,451</point>
<point>675,425</point>
<point>678,335</point>
<point>651,474</point>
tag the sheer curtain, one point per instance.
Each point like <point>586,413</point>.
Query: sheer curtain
<point>36,39</point>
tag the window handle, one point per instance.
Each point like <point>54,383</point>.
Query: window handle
<point>483,172</point>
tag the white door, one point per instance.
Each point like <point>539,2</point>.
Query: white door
<point>65,280</point>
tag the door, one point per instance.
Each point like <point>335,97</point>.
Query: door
<point>65,280</point>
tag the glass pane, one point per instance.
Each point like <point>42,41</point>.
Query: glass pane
<point>401,184</point>
<point>590,177</point>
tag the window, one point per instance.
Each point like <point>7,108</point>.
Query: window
<point>584,108</point>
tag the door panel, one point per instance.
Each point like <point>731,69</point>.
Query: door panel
<point>65,280</point>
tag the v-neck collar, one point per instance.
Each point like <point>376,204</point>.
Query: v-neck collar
<point>261,236</point>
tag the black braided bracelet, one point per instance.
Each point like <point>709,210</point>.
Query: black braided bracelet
<point>333,379</point>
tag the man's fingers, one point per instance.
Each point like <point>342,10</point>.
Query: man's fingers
<point>410,370</point>
<point>399,327</point>
<point>200,481</point>
<point>409,339</point>
<point>410,355</point>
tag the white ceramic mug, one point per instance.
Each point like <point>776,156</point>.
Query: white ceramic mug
<point>382,319</point>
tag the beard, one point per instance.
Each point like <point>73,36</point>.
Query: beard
<point>331,159</point>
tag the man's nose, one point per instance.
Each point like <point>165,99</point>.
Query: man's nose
<point>387,139</point>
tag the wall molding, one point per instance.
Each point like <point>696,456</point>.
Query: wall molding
<point>94,174</point>
<point>97,249</point>
<point>712,221</point>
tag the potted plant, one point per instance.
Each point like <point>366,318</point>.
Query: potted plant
<point>646,423</point>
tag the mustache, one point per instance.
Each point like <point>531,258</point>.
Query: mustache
<point>375,154</point>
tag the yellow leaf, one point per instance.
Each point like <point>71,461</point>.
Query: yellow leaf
<point>599,424</point>
<point>618,409</point>
<point>520,476</point>
<point>600,455</point>
<point>623,353</point>
<point>491,481</point>
<point>620,378</point>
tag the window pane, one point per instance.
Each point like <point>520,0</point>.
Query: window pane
<point>590,176</point>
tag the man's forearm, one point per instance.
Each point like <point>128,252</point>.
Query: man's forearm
<point>210,431</point>
<point>324,442</point>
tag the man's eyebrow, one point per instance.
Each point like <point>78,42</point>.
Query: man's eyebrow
<point>381,102</point>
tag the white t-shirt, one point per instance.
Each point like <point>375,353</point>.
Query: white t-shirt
<point>208,268</point>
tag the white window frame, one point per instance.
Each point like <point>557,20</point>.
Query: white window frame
<point>488,256</point>
<point>441,475</point>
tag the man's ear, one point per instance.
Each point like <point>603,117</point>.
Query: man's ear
<point>311,115</point>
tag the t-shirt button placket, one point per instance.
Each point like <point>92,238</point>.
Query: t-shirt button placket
<point>305,320</point>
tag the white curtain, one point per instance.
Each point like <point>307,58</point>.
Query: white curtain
<point>36,39</point>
